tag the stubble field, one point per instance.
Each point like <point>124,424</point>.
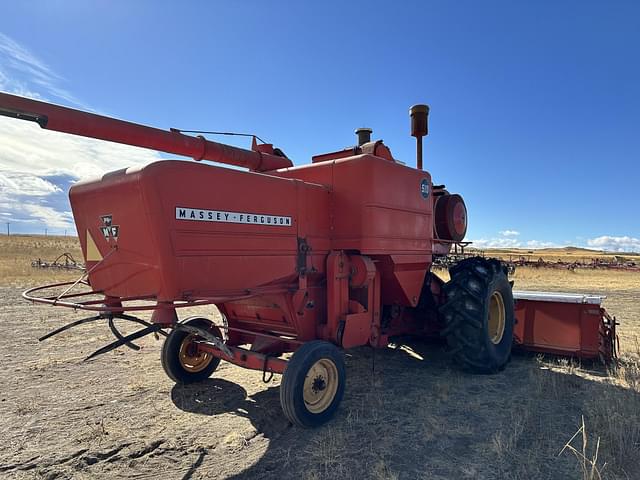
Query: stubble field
<point>407,413</point>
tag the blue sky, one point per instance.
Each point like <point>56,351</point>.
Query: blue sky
<point>534,105</point>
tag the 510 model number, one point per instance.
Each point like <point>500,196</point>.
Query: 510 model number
<point>200,215</point>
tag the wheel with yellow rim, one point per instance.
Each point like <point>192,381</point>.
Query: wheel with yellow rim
<point>313,384</point>
<point>479,314</point>
<point>180,358</point>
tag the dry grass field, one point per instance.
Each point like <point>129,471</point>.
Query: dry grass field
<point>18,251</point>
<point>407,413</point>
<point>566,254</point>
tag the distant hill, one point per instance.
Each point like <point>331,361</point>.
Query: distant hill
<point>556,252</point>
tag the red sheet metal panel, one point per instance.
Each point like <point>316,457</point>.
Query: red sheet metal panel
<point>563,324</point>
<point>183,229</point>
<point>380,206</point>
<point>382,209</point>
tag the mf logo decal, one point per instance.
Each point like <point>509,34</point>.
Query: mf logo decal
<point>424,188</point>
<point>108,229</point>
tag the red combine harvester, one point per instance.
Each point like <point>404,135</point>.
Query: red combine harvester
<point>308,259</point>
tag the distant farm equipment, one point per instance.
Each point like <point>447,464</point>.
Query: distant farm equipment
<point>64,261</point>
<point>616,263</point>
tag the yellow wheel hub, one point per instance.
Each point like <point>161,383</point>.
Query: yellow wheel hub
<point>191,359</point>
<point>496,318</point>
<point>320,385</point>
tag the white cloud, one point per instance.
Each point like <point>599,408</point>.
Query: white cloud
<point>25,147</point>
<point>19,58</point>
<point>540,244</point>
<point>30,156</point>
<point>38,215</point>
<point>506,239</point>
<point>615,244</point>
<point>605,242</point>
<point>20,183</point>
<point>496,243</point>
<point>21,67</point>
<point>50,217</point>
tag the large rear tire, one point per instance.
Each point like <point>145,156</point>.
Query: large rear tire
<point>181,360</point>
<point>313,384</point>
<point>479,315</point>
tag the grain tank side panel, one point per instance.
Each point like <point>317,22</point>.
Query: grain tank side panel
<point>110,215</point>
<point>191,230</point>
<point>386,213</point>
<point>284,313</point>
<point>378,206</point>
<point>382,209</point>
<point>227,230</point>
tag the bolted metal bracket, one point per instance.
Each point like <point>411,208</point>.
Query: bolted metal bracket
<point>303,251</point>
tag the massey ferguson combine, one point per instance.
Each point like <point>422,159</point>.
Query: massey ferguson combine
<point>310,259</point>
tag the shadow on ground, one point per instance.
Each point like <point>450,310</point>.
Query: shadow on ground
<point>215,396</point>
<point>408,414</point>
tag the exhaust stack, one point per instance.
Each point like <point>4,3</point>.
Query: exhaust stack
<point>364,135</point>
<point>419,128</point>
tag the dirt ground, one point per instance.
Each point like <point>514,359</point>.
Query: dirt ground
<point>407,412</point>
